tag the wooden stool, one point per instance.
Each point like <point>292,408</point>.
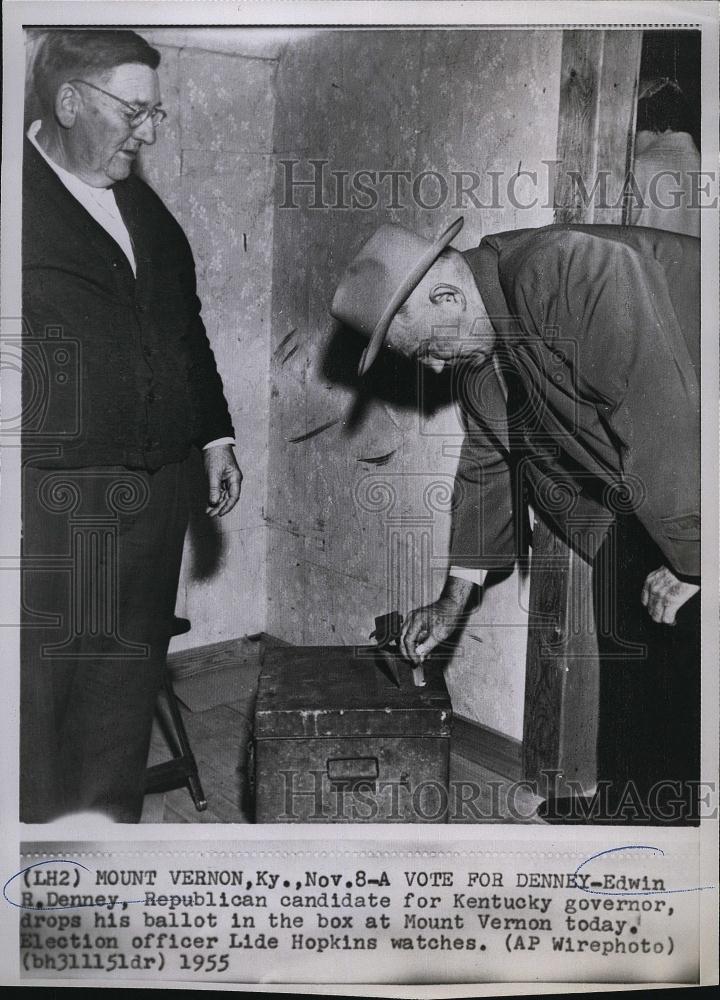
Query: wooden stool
<point>182,770</point>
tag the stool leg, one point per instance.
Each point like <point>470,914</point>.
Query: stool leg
<point>193,778</point>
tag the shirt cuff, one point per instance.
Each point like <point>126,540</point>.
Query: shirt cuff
<point>476,576</point>
<point>218,441</point>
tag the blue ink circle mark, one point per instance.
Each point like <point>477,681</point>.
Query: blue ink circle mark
<point>633,892</point>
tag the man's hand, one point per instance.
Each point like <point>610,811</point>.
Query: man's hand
<point>224,479</point>
<point>427,626</point>
<point>663,595</point>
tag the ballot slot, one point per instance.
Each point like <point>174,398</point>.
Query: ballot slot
<point>387,632</point>
<point>388,667</point>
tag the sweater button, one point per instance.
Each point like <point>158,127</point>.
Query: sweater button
<point>116,265</point>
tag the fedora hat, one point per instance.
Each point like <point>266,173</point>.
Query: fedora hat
<point>386,269</point>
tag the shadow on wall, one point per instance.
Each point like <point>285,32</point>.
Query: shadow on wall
<point>445,651</point>
<point>204,535</point>
<point>392,379</point>
<point>405,385</point>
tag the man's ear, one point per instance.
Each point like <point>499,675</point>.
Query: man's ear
<point>447,294</point>
<point>67,102</point>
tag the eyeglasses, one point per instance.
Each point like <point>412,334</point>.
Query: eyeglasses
<point>138,116</point>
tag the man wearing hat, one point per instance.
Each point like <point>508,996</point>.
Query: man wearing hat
<point>575,351</point>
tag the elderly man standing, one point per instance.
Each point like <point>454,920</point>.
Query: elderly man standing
<point>576,351</point>
<point>109,303</point>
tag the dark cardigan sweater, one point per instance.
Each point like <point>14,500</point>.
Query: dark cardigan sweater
<point>118,369</point>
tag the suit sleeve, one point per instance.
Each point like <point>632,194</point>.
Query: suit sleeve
<point>483,535</point>
<point>634,364</point>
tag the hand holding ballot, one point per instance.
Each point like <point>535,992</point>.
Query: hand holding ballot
<point>430,625</point>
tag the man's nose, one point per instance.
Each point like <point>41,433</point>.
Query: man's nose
<point>145,132</point>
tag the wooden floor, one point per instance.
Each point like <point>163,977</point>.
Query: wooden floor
<point>220,735</point>
<point>219,738</point>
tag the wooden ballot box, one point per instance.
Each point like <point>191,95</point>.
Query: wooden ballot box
<point>344,735</point>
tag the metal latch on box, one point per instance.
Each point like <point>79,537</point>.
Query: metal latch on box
<point>353,768</point>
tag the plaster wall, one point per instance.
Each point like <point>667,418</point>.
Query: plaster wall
<point>345,512</point>
<point>360,474</point>
<point>213,166</point>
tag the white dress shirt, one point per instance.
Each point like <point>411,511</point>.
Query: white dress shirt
<point>102,206</point>
<point>99,202</point>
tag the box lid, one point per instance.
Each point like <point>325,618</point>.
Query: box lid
<point>324,691</point>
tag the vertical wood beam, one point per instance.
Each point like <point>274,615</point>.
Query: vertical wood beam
<point>580,71</point>
<point>617,111</point>
<point>598,94</point>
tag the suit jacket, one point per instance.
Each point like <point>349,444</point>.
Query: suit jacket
<point>120,365</point>
<point>592,405</point>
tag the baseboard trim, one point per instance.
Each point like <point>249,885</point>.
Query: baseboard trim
<point>217,655</point>
<point>485,746</point>
<point>475,742</point>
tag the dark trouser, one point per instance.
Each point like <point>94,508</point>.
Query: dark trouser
<point>649,724</point>
<point>101,559</point>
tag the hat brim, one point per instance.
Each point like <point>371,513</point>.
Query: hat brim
<point>412,280</point>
